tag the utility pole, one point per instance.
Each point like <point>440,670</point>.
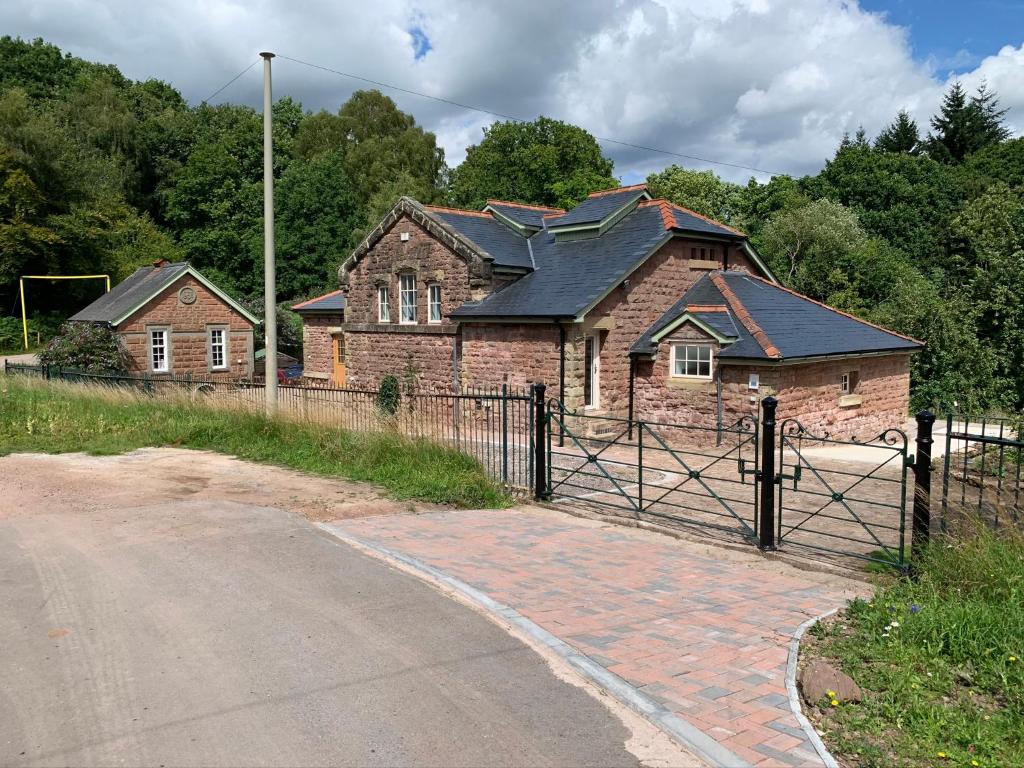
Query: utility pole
<point>269,268</point>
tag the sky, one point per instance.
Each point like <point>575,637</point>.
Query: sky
<point>770,86</point>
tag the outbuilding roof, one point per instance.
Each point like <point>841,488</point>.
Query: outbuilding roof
<point>332,303</point>
<point>760,320</point>
<point>143,285</point>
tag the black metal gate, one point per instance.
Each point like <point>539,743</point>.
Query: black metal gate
<point>852,505</point>
<point>787,489</point>
<point>678,473</point>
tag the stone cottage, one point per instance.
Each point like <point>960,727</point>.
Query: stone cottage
<point>175,322</point>
<point>625,305</point>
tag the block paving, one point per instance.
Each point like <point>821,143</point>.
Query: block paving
<point>703,630</point>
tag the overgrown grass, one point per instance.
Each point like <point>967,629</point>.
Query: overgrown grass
<point>940,659</point>
<point>54,417</point>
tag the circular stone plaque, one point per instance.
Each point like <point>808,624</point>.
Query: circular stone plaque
<point>187,295</point>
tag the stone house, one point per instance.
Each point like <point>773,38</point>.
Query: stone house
<point>175,322</point>
<point>625,306</point>
<point>323,343</point>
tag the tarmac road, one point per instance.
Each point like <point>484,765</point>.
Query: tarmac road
<point>177,629</point>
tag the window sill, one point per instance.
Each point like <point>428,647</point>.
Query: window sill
<point>850,401</point>
<point>682,382</point>
<point>435,328</point>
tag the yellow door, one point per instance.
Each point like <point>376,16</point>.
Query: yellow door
<point>338,377</point>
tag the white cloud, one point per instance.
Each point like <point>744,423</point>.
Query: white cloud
<point>763,83</point>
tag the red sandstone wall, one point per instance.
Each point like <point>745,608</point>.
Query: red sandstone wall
<point>318,346</point>
<point>188,324</point>
<point>517,355</point>
<point>808,391</point>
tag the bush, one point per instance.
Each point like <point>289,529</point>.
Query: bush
<point>87,347</point>
<point>390,396</point>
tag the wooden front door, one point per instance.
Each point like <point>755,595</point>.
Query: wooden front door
<point>338,350</point>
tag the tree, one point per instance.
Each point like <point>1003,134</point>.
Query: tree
<point>383,143</point>
<point>544,162</point>
<point>991,244</point>
<point>805,243</point>
<point>700,191</point>
<point>964,126</point>
<point>317,213</point>
<point>901,135</point>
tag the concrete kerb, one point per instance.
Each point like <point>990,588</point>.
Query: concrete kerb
<point>794,695</point>
<point>678,729</point>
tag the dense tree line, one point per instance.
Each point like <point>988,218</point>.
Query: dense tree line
<point>921,232</point>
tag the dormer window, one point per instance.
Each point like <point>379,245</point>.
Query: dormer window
<point>407,299</point>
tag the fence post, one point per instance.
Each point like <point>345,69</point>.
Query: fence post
<point>922,484</point>
<point>766,524</point>
<point>540,440</point>
<point>504,433</point>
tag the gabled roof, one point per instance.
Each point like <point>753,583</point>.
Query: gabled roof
<point>760,320</point>
<point>143,285</point>
<point>530,217</point>
<point>332,303</point>
<point>573,276</point>
<point>506,246</point>
<point>599,206</point>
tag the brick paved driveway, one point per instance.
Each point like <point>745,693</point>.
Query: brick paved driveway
<point>702,630</point>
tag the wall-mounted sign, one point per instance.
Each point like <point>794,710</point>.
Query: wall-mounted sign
<point>754,382</point>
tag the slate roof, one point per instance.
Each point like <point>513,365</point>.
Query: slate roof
<point>332,303</point>
<point>598,206</point>
<point>131,293</point>
<point>143,284</point>
<point>528,215</point>
<point>507,247</point>
<point>791,326</point>
<point>571,276</point>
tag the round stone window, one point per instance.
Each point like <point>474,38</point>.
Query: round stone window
<point>187,295</point>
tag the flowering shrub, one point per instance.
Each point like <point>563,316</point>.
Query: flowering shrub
<point>87,347</point>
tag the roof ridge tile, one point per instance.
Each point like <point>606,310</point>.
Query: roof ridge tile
<point>629,188</point>
<point>460,211</point>
<point>552,208</point>
<point>745,317</point>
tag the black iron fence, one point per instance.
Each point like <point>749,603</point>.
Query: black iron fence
<point>493,425</point>
<point>775,486</point>
<point>981,478</point>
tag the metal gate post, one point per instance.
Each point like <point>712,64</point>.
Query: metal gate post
<point>922,484</point>
<point>540,444</point>
<point>766,526</point>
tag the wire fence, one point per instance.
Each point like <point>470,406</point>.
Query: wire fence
<point>493,425</point>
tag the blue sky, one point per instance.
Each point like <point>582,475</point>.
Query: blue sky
<point>955,34</point>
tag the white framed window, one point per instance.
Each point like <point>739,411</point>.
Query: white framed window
<point>434,303</point>
<point>691,361</point>
<point>218,349</point>
<point>848,383</point>
<point>591,372</point>
<point>407,299</point>
<point>383,304</point>
<point>159,351</point>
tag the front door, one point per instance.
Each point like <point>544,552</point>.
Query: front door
<point>338,353</point>
<point>592,372</point>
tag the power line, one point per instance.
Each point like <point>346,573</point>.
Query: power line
<point>492,113</point>
<point>229,82</point>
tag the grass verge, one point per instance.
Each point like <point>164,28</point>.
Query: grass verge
<point>55,417</point>
<point>939,660</point>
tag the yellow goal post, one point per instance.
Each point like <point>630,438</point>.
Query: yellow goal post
<point>21,288</point>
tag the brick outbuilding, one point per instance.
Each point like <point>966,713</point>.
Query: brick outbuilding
<point>581,301</point>
<point>175,322</point>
